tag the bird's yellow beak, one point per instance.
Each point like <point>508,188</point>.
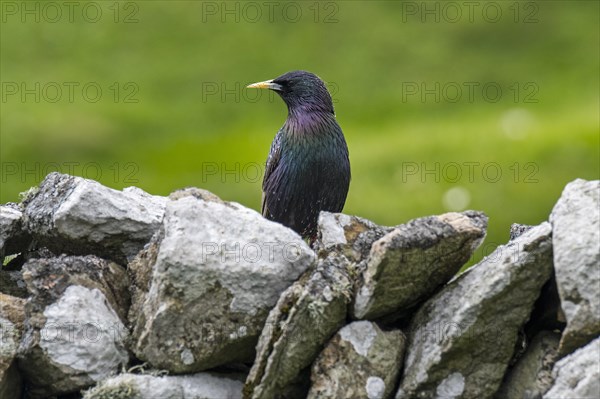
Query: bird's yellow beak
<point>267,84</point>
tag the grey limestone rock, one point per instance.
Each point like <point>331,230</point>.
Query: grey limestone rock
<point>578,374</point>
<point>80,216</point>
<point>360,361</point>
<point>576,238</point>
<point>13,239</point>
<point>192,386</point>
<point>207,282</point>
<point>351,236</point>
<point>409,263</point>
<point>306,316</point>
<point>12,316</point>
<point>461,339</point>
<point>74,329</point>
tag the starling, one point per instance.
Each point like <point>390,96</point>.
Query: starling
<point>308,170</point>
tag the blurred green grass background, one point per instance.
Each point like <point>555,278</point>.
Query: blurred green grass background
<point>186,63</point>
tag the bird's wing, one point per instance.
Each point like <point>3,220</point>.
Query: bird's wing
<point>272,162</point>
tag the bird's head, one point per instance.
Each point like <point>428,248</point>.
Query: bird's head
<point>300,90</point>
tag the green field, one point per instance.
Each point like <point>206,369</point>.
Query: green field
<point>486,111</point>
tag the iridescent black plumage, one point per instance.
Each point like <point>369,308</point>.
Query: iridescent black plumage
<point>308,169</point>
